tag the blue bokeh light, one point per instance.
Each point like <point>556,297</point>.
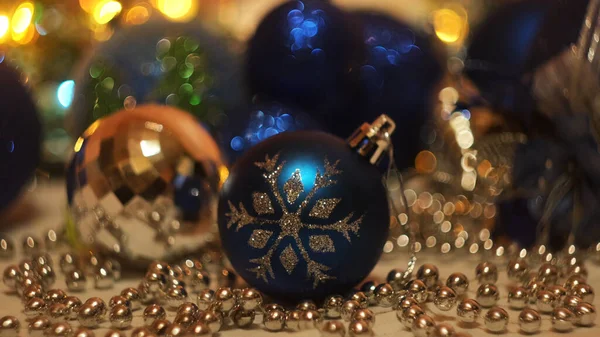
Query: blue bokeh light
<point>65,93</point>
<point>309,28</point>
<point>295,17</point>
<point>237,143</point>
<point>11,146</point>
<point>270,132</point>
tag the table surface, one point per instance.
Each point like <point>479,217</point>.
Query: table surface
<point>43,209</point>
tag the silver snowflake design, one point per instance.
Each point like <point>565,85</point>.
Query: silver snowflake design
<point>290,223</point>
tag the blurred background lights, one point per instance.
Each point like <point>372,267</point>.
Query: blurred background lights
<point>178,10</point>
<point>22,18</point>
<point>65,93</point>
<point>105,11</point>
<point>138,15</point>
<point>449,25</point>
<point>4,26</point>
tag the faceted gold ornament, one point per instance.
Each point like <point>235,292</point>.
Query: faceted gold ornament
<point>143,185</point>
<point>291,223</point>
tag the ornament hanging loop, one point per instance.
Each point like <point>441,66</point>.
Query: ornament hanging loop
<point>373,140</point>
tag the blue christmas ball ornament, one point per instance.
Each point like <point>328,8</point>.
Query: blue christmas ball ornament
<point>20,135</point>
<point>302,54</point>
<point>305,214</point>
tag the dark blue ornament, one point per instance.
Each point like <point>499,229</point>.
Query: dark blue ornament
<point>20,135</point>
<point>303,216</point>
<point>302,55</point>
<point>398,78</point>
<point>515,40</point>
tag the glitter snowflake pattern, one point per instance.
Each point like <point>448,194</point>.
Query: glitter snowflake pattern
<point>290,223</point>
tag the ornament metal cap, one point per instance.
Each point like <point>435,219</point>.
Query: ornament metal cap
<point>373,140</point>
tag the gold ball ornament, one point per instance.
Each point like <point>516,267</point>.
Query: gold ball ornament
<point>142,185</point>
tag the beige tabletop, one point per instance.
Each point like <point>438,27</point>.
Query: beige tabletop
<point>43,209</point>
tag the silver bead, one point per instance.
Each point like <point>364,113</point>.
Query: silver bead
<point>113,333</point>
<point>89,316</point>
<point>213,319</point>
<point>458,282</point>
<point>226,297</point>
<point>51,239</point>
<point>423,326</point>
<point>34,307</point>
<point>159,267</point>
<point>577,269</point>
<point>11,276</point>
<point>468,311</point>
<point>517,269</point>
<point>518,297</point>
<point>530,321</point>
<point>404,302</point>
<point>418,290</point>
<point>54,296</point>
<point>175,330</point>
<point>333,329</point>
<point>159,326</point>
<point>7,247</point>
<point>188,307</point>
<point>584,291</point>
<point>410,315</point>
<point>46,275</point>
<point>384,295</point>
<point>359,328</point>
<point>274,320</point>
<point>496,319</point>
<point>429,274</point>
<point>75,280</point>
<point>310,319</point>
<point>185,319</point>
<point>38,325</point>
<point>198,329</point>
<point>562,319</point>
<point>571,302</point>
<point>42,260</point>
<point>585,314</point>
<point>333,306</point>
<point>72,305</point>
<point>445,298</point>
<point>364,315</point>
<point>574,280</point>
<point>548,274</point>
<point>559,291</point>
<point>175,297</point>
<point>24,283</point>
<point>486,272</point>
<point>141,332</point>
<point>133,296</point>
<point>368,288</point>
<point>251,299</point>
<point>198,280</point>
<point>306,305</point>
<point>68,262</point>
<point>115,267</point>
<point>9,326</point>
<point>32,291</point>
<point>293,318</point>
<point>26,267</point>
<point>57,312</point>
<point>152,313</point>
<point>546,301</point>
<point>533,287</point>
<point>83,332</point>
<point>396,279</point>
<point>97,302</point>
<point>155,281</point>
<point>443,330</point>
<point>103,278</point>
<point>361,298</point>
<point>487,295</point>
<point>272,306</point>
<point>173,282</point>
<point>60,329</point>
<point>205,298</point>
<point>348,308</point>
<point>241,317</point>
<point>120,317</point>
<point>119,300</point>
<point>31,245</point>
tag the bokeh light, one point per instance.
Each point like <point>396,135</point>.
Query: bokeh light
<point>22,18</point>
<point>178,10</point>
<point>138,15</point>
<point>65,93</point>
<point>449,25</point>
<point>88,5</point>
<point>4,26</point>
<point>105,11</point>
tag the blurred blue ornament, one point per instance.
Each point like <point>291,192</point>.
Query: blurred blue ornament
<point>20,136</point>
<point>303,216</point>
<point>302,55</point>
<point>397,79</point>
<point>515,40</point>
<point>185,65</point>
